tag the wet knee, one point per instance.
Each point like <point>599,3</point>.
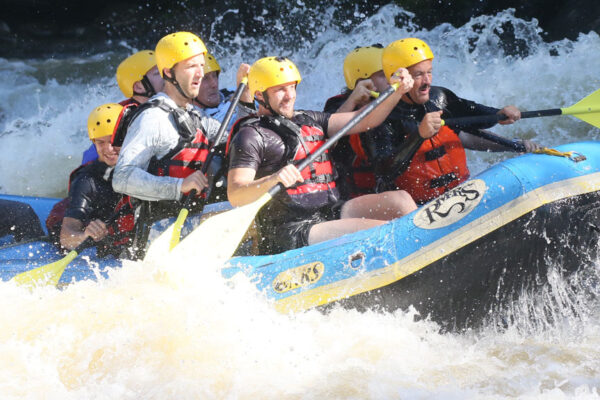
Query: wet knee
<point>405,200</point>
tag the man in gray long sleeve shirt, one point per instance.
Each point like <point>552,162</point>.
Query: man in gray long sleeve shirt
<point>152,135</point>
<point>168,141</point>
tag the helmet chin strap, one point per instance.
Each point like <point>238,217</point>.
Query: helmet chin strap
<point>266,104</point>
<point>149,89</point>
<point>173,81</point>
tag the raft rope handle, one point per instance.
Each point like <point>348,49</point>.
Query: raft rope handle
<point>571,155</point>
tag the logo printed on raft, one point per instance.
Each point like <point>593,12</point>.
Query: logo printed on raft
<point>452,206</point>
<point>298,277</point>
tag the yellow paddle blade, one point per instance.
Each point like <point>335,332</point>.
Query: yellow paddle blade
<point>161,245</point>
<point>217,238</point>
<point>176,236</point>
<point>587,109</point>
<point>45,275</point>
<point>168,239</point>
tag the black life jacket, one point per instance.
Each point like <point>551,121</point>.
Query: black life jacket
<point>120,229</point>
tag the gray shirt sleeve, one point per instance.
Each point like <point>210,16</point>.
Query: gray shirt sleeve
<point>151,134</point>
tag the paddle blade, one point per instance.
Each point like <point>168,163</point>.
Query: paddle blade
<point>167,240</point>
<point>176,236</point>
<point>587,109</point>
<point>45,275</point>
<point>217,238</point>
<point>592,119</point>
<point>160,246</point>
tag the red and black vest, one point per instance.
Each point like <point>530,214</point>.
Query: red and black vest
<point>300,140</point>
<point>191,151</point>
<point>184,159</point>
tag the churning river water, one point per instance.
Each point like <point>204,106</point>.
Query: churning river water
<point>163,331</point>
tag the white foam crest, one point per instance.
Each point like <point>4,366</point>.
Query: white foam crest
<point>181,331</point>
<point>43,131</point>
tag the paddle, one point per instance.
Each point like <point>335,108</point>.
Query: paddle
<point>168,239</point>
<point>587,110</point>
<point>217,238</point>
<point>517,146</point>
<point>50,274</point>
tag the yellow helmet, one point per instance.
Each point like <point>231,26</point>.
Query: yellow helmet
<point>211,64</point>
<point>361,63</point>
<point>272,71</point>
<point>133,69</point>
<point>404,53</point>
<point>176,47</point>
<point>103,120</point>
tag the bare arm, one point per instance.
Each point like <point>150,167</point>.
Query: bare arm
<point>242,73</point>
<point>473,142</point>
<point>242,189</point>
<point>359,97</point>
<point>338,120</point>
<point>73,233</point>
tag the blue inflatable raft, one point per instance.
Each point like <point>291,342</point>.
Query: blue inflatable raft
<point>455,259</point>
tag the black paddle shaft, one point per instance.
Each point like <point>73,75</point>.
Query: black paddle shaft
<point>338,135</point>
<point>519,147</point>
<point>465,122</point>
<point>223,127</point>
<point>88,242</point>
<point>211,151</point>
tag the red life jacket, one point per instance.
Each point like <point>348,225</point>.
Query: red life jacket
<point>438,165</point>
<point>359,177</point>
<point>300,140</point>
<point>191,151</point>
<point>363,180</point>
<point>184,159</point>
<point>123,227</point>
<point>319,175</point>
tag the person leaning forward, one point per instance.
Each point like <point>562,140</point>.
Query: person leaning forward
<point>364,75</point>
<point>168,140</point>
<point>92,201</point>
<point>418,154</point>
<point>265,146</point>
<point>214,101</point>
<point>138,79</point>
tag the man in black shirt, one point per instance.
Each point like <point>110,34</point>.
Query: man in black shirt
<point>266,147</point>
<point>92,199</point>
